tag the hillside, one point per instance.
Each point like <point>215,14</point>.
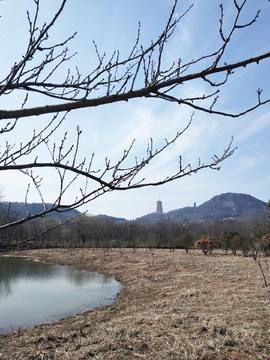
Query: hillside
<point>112,218</point>
<point>229,205</point>
<point>17,210</point>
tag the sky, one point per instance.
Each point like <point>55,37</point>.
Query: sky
<point>108,130</point>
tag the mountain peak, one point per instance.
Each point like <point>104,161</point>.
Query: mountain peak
<point>227,205</point>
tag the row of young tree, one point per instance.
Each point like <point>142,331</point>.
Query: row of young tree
<point>232,240</point>
<point>248,236</point>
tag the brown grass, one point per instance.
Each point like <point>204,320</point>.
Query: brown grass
<point>182,306</point>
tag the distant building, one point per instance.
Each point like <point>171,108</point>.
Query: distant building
<point>159,207</point>
<point>194,204</point>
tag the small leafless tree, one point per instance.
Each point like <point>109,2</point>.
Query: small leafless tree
<point>140,74</point>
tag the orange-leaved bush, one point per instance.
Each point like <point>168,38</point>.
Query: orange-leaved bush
<point>207,244</point>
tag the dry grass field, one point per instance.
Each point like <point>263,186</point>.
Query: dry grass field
<point>173,306</point>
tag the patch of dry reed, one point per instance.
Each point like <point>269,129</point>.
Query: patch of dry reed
<point>182,306</point>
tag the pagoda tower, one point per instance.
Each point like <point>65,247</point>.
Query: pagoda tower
<point>159,207</point>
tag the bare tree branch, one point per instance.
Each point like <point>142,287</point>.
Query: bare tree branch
<point>142,74</point>
<point>143,92</point>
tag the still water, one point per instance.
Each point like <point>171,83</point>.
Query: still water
<point>33,293</point>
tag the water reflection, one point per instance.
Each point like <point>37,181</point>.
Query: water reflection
<point>15,269</point>
<point>32,293</point>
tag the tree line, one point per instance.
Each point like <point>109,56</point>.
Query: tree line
<point>231,235</point>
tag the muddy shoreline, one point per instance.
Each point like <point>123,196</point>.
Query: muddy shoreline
<point>173,306</point>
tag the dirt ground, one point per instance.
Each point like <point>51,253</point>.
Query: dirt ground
<point>173,306</point>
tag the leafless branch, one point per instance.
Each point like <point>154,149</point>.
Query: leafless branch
<point>142,74</point>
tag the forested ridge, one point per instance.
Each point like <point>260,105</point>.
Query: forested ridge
<point>229,205</point>
<point>231,234</point>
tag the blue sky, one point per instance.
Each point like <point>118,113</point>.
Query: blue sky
<point>110,129</point>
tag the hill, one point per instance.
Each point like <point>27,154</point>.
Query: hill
<point>17,210</point>
<point>229,205</point>
<point>111,218</point>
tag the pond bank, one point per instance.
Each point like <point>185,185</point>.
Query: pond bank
<point>173,306</point>
<point>33,293</point>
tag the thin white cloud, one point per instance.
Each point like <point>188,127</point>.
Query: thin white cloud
<point>109,130</point>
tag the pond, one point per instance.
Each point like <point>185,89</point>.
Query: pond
<point>33,293</point>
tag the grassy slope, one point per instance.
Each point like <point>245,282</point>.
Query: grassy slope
<point>179,307</point>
